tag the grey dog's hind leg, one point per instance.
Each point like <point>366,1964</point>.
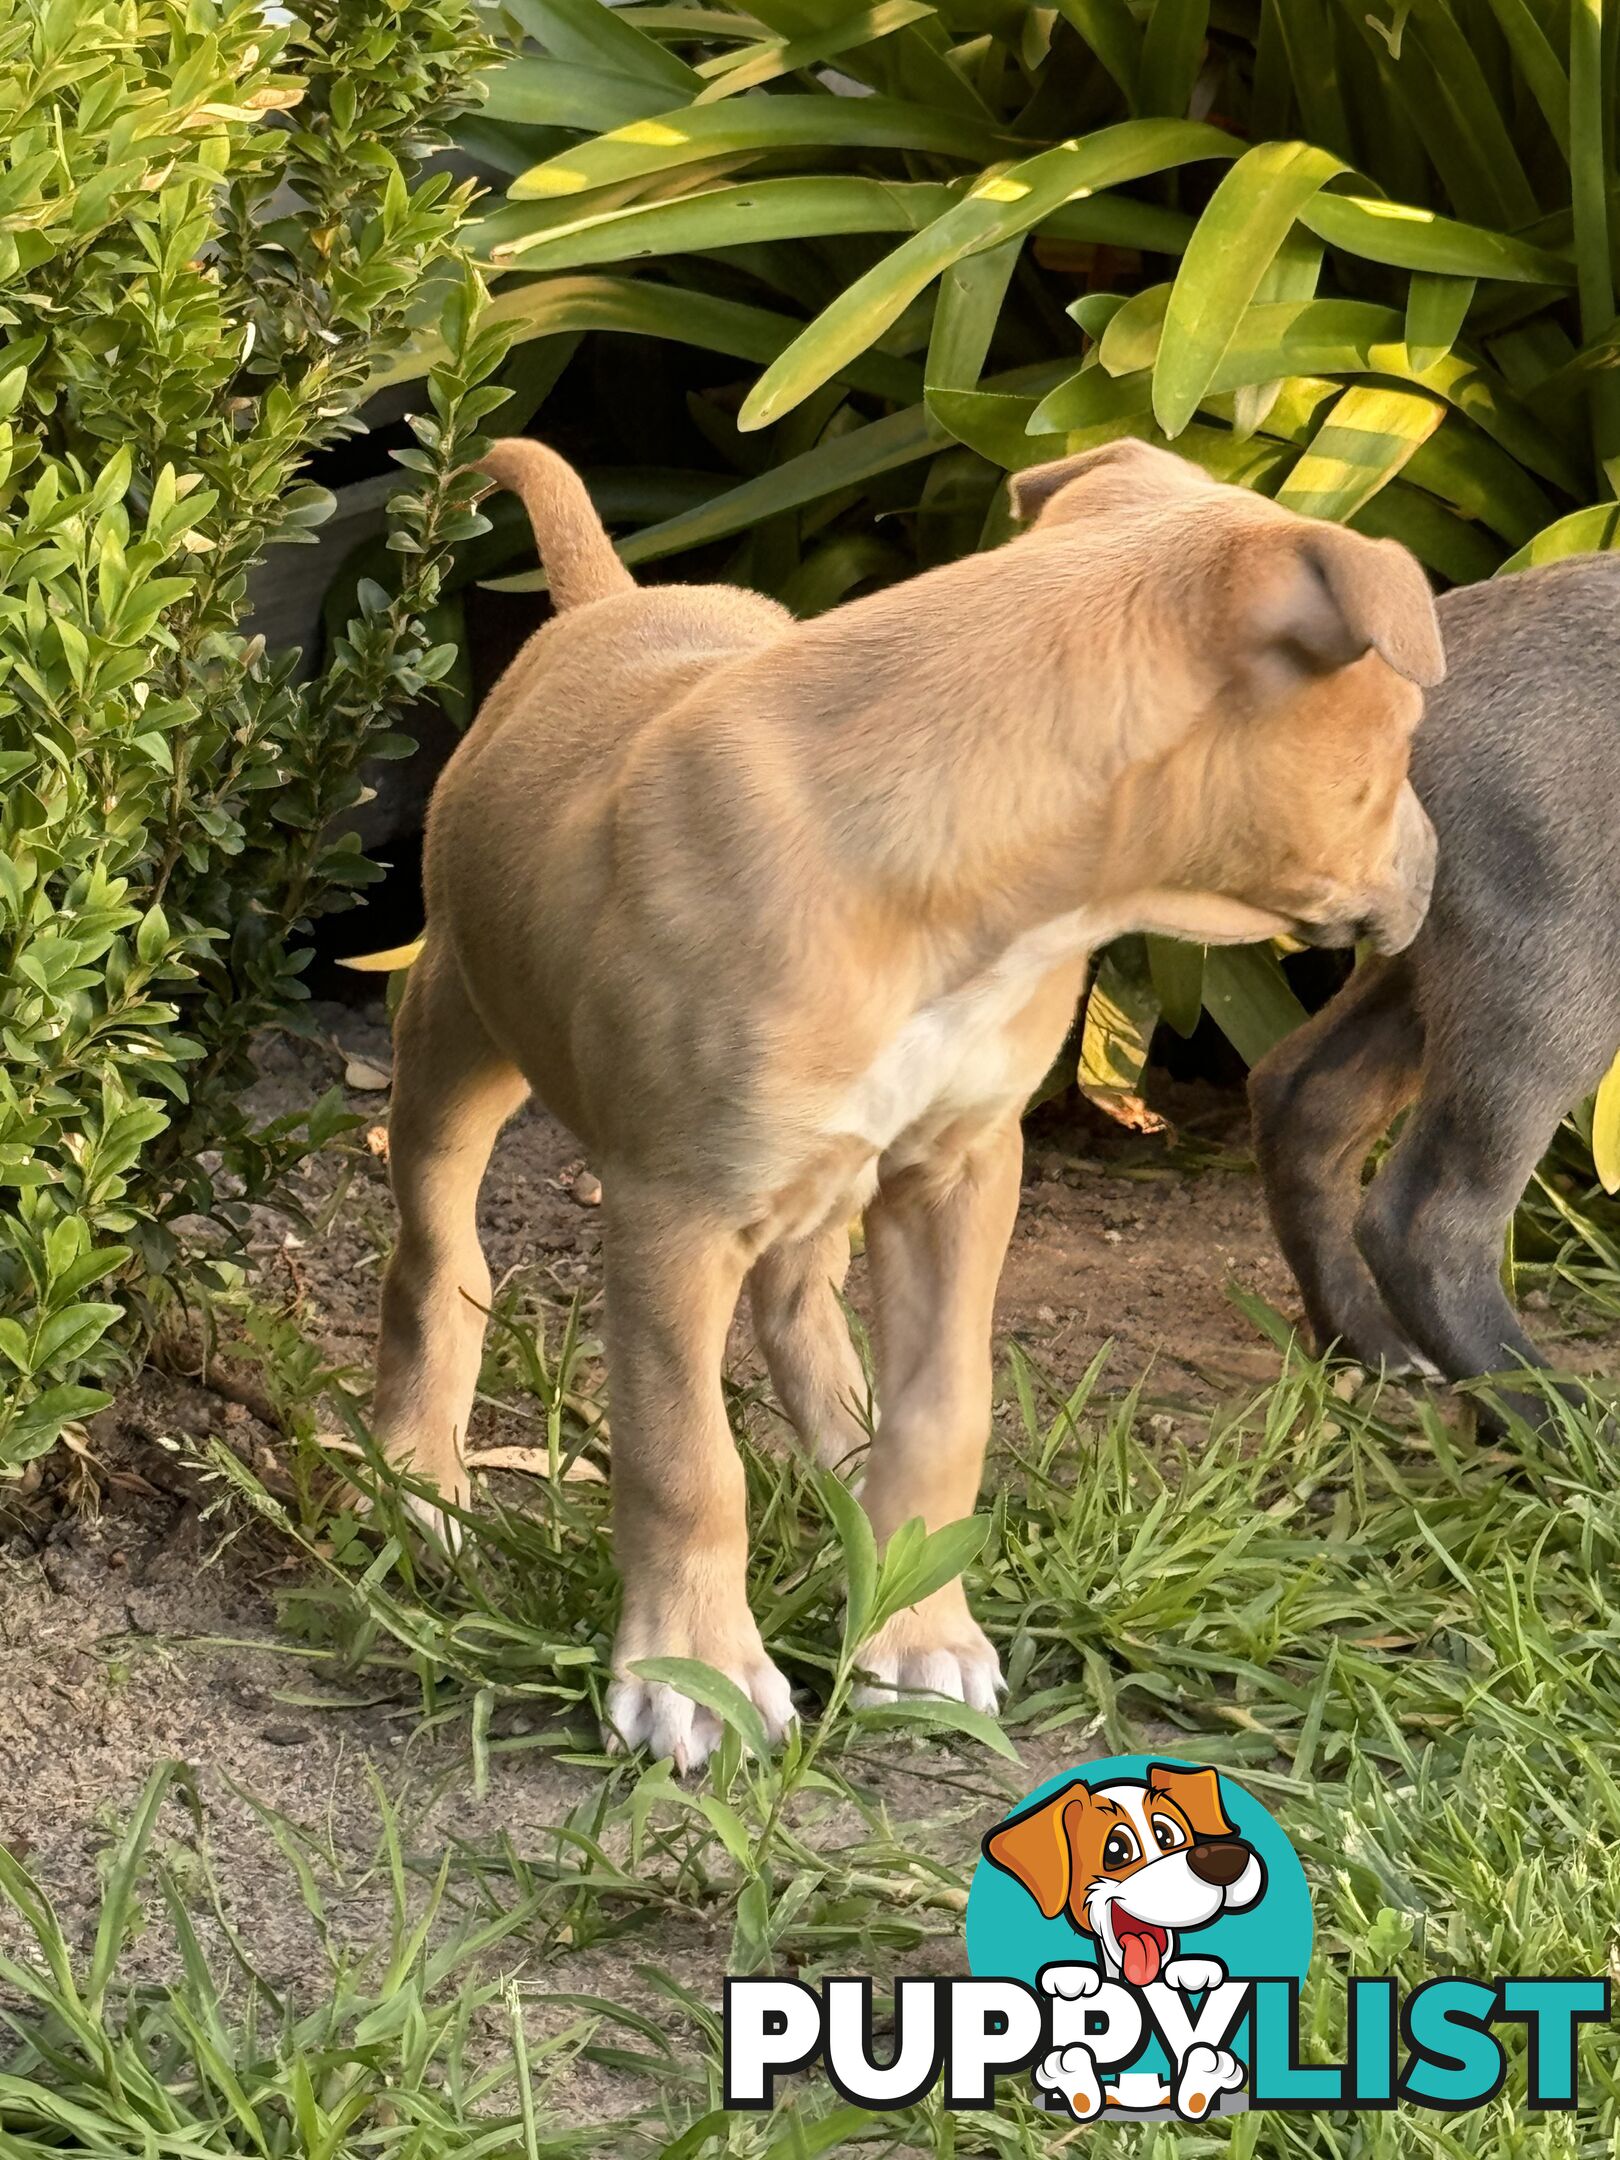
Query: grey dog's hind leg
<point>1319,1102</point>
<point>1497,1078</point>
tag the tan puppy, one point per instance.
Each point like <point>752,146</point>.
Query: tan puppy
<point>785,920</point>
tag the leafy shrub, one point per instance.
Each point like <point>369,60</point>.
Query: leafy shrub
<point>209,241</point>
<point>1375,279</point>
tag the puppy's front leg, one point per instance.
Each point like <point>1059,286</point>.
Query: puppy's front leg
<point>680,1529</point>
<point>936,1236</point>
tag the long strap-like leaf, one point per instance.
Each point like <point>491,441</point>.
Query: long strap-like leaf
<point>1249,217</point>
<point>998,208</point>
<point>694,133</point>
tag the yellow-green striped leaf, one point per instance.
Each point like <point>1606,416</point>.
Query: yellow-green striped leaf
<point>1122,1011</point>
<point>558,93</point>
<point>551,236</point>
<point>1356,337</point>
<point>1365,441</point>
<point>1606,1129</point>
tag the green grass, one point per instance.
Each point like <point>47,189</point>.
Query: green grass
<point>1404,1639</point>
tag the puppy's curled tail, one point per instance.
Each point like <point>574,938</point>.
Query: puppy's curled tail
<point>577,554</point>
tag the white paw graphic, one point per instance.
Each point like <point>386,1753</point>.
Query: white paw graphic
<point>1193,1975</point>
<point>1070,1982</point>
<point>1205,2074</point>
<point>1072,2072</point>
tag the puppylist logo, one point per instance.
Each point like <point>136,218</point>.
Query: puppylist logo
<point>1138,1934</point>
<point>1146,1911</point>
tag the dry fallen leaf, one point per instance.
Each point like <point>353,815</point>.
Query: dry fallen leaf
<point>535,1462</point>
<point>1128,1110</point>
<point>377,1141</point>
<point>587,1189</point>
<point>367,1079</point>
<point>338,1444</point>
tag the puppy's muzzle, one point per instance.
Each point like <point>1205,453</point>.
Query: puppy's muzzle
<point>1220,1862</point>
<point>1390,916</point>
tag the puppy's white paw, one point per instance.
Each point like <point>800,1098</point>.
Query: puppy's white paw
<point>935,1648</point>
<point>696,1620</point>
<point>658,1717</point>
<point>424,1509</point>
<point>1192,1975</point>
<point>442,1527</point>
<point>1071,1983</point>
<point>1072,2071</point>
<point>1204,2075</point>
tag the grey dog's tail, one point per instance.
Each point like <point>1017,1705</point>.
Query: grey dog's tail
<point>577,554</point>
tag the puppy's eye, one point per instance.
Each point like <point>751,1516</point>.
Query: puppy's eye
<point>1167,1835</point>
<point>1120,1850</point>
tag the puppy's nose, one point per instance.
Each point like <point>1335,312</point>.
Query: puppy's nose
<point>1220,1863</point>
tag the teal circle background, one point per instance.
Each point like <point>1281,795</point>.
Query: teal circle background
<point>1008,1937</point>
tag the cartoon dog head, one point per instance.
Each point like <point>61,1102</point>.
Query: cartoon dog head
<point>1133,1864</point>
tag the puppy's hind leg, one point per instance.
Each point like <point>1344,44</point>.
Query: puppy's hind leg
<point>804,1339</point>
<point>1319,1101</point>
<point>1495,1084</point>
<point>453,1091</point>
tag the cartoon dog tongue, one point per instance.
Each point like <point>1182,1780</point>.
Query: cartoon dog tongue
<point>1141,1950</point>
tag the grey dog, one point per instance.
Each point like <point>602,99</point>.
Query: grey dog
<point>1499,1017</point>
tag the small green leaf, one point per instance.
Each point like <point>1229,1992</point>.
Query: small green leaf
<point>915,1565</point>
<point>67,1335</point>
<point>936,1713</point>
<point>152,938</point>
<point>860,1555</point>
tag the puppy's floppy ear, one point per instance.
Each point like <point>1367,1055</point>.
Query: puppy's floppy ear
<point>1198,1795</point>
<point>1034,1850</point>
<point>1341,596</point>
<point>1134,468</point>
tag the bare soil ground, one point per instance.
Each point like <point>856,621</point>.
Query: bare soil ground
<point>130,1636</point>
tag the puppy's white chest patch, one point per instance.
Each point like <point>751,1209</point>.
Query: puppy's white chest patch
<point>953,1054</point>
